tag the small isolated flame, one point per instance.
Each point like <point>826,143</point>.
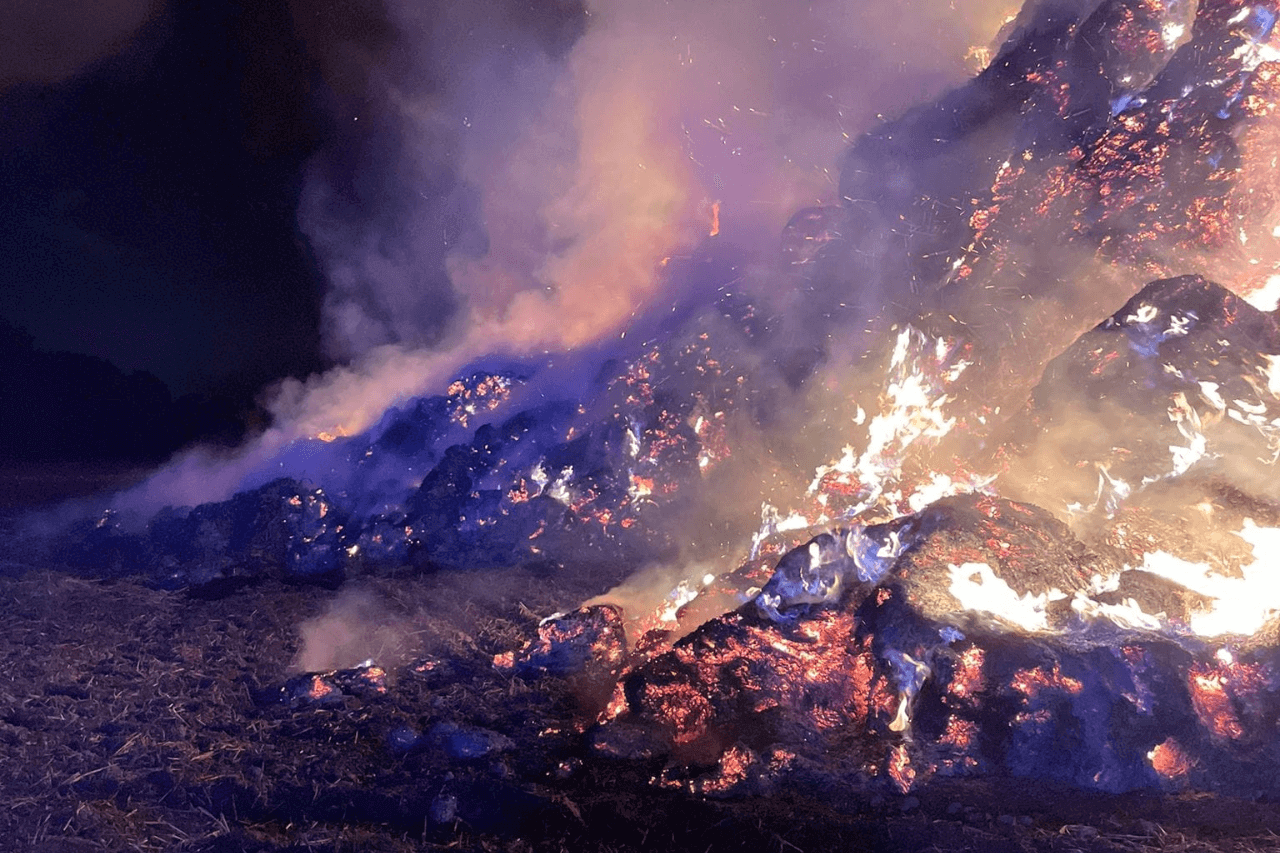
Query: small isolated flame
<point>321,691</point>
<point>1169,760</point>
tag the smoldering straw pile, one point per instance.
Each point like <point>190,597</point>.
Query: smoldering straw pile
<point>924,321</point>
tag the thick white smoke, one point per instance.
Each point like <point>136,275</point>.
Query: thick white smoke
<point>507,184</point>
<point>589,171</point>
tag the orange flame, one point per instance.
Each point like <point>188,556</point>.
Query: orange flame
<point>1168,759</point>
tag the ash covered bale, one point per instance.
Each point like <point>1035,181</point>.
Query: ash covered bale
<point>467,742</point>
<point>978,556</point>
<point>1176,381</point>
<point>508,497</point>
<point>322,689</point>
<point>103,546</point>
<point>284,526</point>
<point>590,639</point>
<point>193,545</point>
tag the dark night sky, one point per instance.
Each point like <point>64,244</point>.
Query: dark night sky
<point>153,159</point>
<point>150,193</point>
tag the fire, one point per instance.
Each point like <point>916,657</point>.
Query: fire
<point>1240,605</point>
<point>1212,704</point>
<point>848,633</point>
<point>1115,194</point>
<point>321,691</point>
<point>978,590</point>
<point>1170,760</point>
<point>900,769</point>
<point>913,415</point>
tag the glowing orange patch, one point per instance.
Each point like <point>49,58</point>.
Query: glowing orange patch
<point>1212,704</point>
<point>1169,760</point>
<point>900,769</point>
<point>968,677</point>
<point>1029,682</point>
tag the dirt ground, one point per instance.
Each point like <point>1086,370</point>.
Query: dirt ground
<point>137,719</point>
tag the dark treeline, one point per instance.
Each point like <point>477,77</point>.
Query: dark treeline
<point>68,407</point>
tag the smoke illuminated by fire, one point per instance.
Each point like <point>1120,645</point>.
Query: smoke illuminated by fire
<point>596,168</point>
<point>496,193</point>
<point>1016,499</point>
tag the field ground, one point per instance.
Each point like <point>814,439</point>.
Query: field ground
<point>137,719</point>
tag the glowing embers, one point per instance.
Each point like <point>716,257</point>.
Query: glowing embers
<point>900,769</point>
<point>366,681</point>
<point>713,440</point>
<point>590,638</point>
<point>1213,705</point>
<point>282,525</point>
<point>668,437</point>
<point>824,691</point>
<point>1031,682</point>
<point>476,395</point>
<point>1233,698</point>
<point>1163,168</point>
<point>1170,760</point>
<point>738,684</point>
<point>872,688</point>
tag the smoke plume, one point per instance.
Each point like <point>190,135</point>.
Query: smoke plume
<point>508,192</point>
<point>357,626</point>
<point>506,182</point>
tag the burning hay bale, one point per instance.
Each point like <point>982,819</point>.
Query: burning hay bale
<point>1178,378</point>
<point>897,684</point>
<point>568,644</point>
<point>1075,587</point>
<point>979,635</point>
